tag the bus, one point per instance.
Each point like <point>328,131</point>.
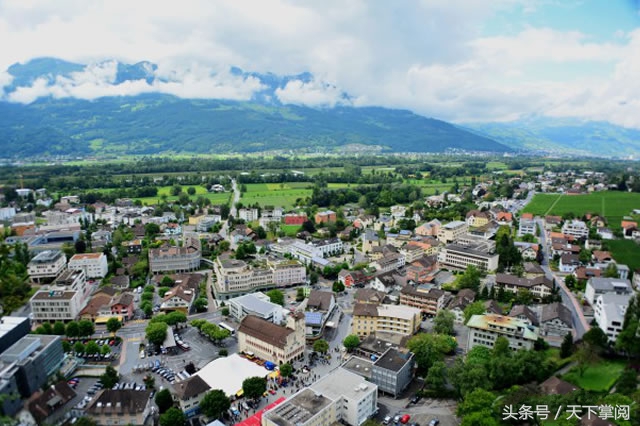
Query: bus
<point>227,327</point>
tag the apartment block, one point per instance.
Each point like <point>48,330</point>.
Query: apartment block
<point>429,301</point>
<point>46,265</point>
<point>94,265</point>
<point>459,257</point>
<point>176,258</point>
<point>485,329</point>
<point>369,318</point>
<point>61,301</point>
<point>271,342</point>
<point>450,232</point>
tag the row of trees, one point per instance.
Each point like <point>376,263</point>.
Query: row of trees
<point>212,331</point>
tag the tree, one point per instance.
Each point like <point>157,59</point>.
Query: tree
<point>286,370</point>
<point>110,377</point>
<point>201,304</point>
<point>86,328</point>
<point>570,281</point>
<point>214,404</point>
<point>163,290</point>
<point>147,309</point>
<point>80,246</point>
<point>611,271</point>
<point>437,376</point>
<point>475,308</point>
<point>501,347</point>
<point>66,347</point>
<point>173,417</point>
<point>72,329</point>
<point>276,296</point>
<point>113,325</point>
<point>105,350</point>
<point>338,287</point>
<point>585,356</point>
<point>300,294</point>
<point>191,190</point>
<point>167,281</point>
<point>479,400</point>
<point>92,348</point>
<point>45,328</point>
<point>225,311</point>
<point>351,342</point>
<point>164,400</point>
<point>596,339</point>
<point>58,328</point>
<point>151,230</point>
<point>149,381</point>
<point>470,278</point>
<point>176,190</point>
<point>254,387</point>
<point>429,348</point>
<point>78,347</point>
<point>628,382</point>
<point>321,346</point>
<point>566,348</point>
<point>313,277</point>
<point>223,352</point>
<point>156,333</point>
<point>443,322</point>
<point>85,421</point>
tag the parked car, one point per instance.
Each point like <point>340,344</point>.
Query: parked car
<point>434,422</point>
<point>386,420</point>
<point>415,399</point>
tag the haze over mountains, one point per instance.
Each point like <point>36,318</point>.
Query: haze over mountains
<point>54,107</point>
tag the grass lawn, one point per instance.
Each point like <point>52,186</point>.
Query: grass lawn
<point>217,198</point>
<point>625,252</point>
<point>611,204</point>
<point>290,230</point>
<point>275,194</point>
<point>600,377</point>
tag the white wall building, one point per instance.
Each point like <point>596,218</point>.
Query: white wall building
<point>61,301</point>
<point>94,265</point>
<point>248,215</point>
<point>460,257</point>
<point>257,304</point>
<point>485,329</point>
<point>597,286</point>
<point>575,228</point>
<point>47,264</point>
<point>608,311</point>
<point>450,232</point>
<point>527,226</point>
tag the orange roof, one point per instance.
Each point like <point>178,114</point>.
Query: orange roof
<point>561,235</point>
<point>87,256</point>
<point>527,215</point>
<point>628,224</point>
<point>504,216</point>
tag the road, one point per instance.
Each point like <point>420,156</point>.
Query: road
<point>580,324</point>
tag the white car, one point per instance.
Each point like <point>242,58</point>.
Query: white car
<point>142,354</point>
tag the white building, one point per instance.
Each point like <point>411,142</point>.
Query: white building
<point>460,257</point>
<point>485,329</point>
<point>609,311</point>
<point>341,396</point>
<point>328,247</point>
<point>47,264</point>
<point>527,226</point>
<point>576,228</point>
<point>236,276</point>
<point>450,232</point>
<point>248,215</point>
<point>257,304</point>
<point>597,286</point>
<point>94,265</point>
<point>7,213</point>
<point>61,301</point>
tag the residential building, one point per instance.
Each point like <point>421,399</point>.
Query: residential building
<point>389,262</point>
<point>98,307</point>
<point>524,314</point>
<point>555,320</point>
<point>540,287</point>
<point>485,329</point>
<point>459,257</point>
<point>43,404</point>
<point>422,270</point>
<point>175,258</point>
<point>393,371</point>
<point>182,295</point>
<point>133,247</point>
<point>555,386</point>
<point>575,228</point>
<point>450,232</point>
<point>295,219</point>
<point>271,342</point>
<point>429,229</point>
<point>320,306</point>
<point>597,286</point>
<point>46,265</point>
<point>13,329</point>
<point>123,306</point>
<point>325,216</point>
<point>257,304</point>
<point>62,300</point>
<point>411,252</point>
<point>340,397</point>
<point>236,277</point>
<point>369,318</point>
<point>368,295</point>
<point>608,311</point>
<point>189,393</point>
<point>94,265</point>
<point>429,302</point>
<point>329,247</point>
<point>568,263</point>
<point>605,233</point>
<point>120,407</point>
<point>465,297</point>
<point>477,218</point>
<point>248,214</point>
<point>352,278</point>
<point>528,251</point>
<point>370,239</point>
<point>526,226</point>
<point>26,366</point>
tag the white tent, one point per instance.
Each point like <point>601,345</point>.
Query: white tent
<point>228,373</point>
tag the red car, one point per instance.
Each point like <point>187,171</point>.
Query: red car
<point>405,419</point>
<point>272,392</point>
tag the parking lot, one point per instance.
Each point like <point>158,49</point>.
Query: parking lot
<point>421,413</point>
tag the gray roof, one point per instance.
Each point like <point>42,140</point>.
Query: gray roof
<point>360,366</point>
<point>556,310</point>
<point>393,360</point>
<point>255,304</point>
<point>608,284</point>
<point>320,300</point>
<point>299,408</point>
<point>524,310</point>
<point>342,383</point>
<point>615,306</point>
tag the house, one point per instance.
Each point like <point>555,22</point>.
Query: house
<point>421,270</point>
<point>485,329</point>
<point>492,307</point>
<point>123,305</point>
<point>465,297</point>
<point>388,282</point>
<point>555,386</point>
<point>529,251</point>
<point>540,287</point>
<point>523,313</point>
<point>368,295</point>
<point>504,218</point>
<point>575,228</point>
<point>126,406</point>
<point>390,262</point>
<point>584,273</point>
<point>325,216</point>
<point>182,295</point>
<point>551,222</point>
<point>320,307</point>
<point>271,342</point>
<point>133,247</point>
<point>429,302</point>
<point>597,221</point>
<point>98,306</point>
<point>605,233</point>
<point>568,263</point>
<point>555,320</point>
<point>527,216</point>
<point>477,218</point>
<point>189,394</point>
<point>429,229</point>
<point>450,232</point>
<point>94,265</point>
<point>599,256</point>
<point>352,278</point>
<point>121,281</point>
<point>532,270</point>
<point>598,286</point>
<point>370,240</point>
<point>558,249</point>
<point>593,244</point>
<point>43,404</point>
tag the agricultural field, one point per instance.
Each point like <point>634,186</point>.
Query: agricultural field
<point>165,191</point>
<point>625,252</point>
<point>611,204</point>
<point>275,194</point>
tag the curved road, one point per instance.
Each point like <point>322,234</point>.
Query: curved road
<point>580,324</point>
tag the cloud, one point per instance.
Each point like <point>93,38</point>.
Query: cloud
<point>313,93</point>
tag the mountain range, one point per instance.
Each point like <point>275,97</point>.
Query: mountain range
<point>54,107</point>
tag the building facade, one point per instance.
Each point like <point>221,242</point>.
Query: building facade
<point>459,257</point>
<point>485,329</point>
<point>62,300</point>
<point>46,265</point>
<point>257,304</point>
<point>393,371</point>
<point>271,342</point>
<point>450,232</point>
<point>176,259</point>
<point>120,407</point>
<point>369,318</point>
<point>429,302</point>
<point>94,265</point>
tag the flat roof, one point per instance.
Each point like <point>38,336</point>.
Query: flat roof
<point>254,304</point>
<point>228,373</point>
<point>342,383</point>
<point>485,322</point>
<point>393,360</point>
<point>398,311</point>
<point>9,323</point>
<point>46,256</point>
<point>299,408</point>
<point>359,366</point>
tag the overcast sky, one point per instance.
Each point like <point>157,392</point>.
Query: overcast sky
<point>458,60</point>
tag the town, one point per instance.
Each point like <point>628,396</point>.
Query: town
<point>360,295</point>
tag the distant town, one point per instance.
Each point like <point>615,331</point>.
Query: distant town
<point>453,292</point>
